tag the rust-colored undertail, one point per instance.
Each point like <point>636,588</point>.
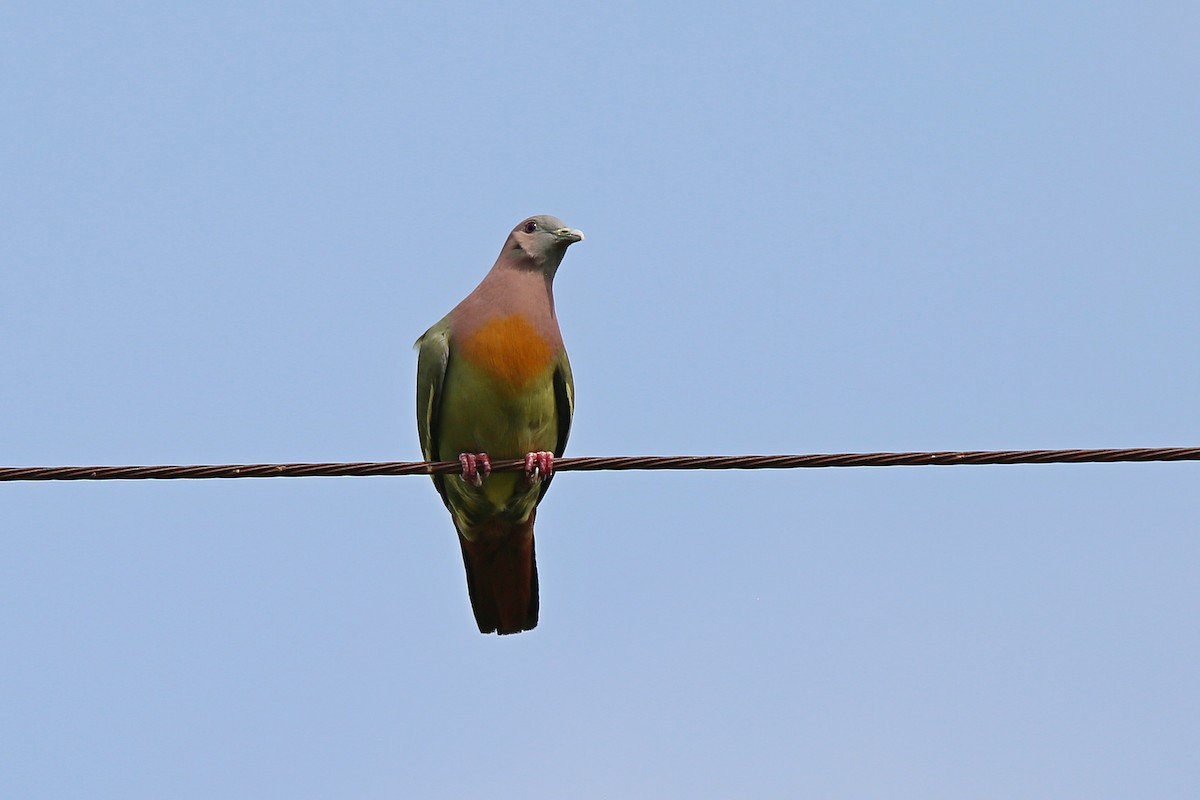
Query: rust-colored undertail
<point>502,576</point>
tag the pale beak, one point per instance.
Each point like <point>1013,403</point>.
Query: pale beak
<point>569,234</point>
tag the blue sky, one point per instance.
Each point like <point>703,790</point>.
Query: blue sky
<point>810,229</point>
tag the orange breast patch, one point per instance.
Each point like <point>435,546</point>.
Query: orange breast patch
<point>509,349</point>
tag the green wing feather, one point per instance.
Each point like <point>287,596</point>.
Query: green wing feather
<point>433,358</point>
<point>564,402</point>
<point>564,399</point>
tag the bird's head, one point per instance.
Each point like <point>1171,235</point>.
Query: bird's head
<point>542,241</point>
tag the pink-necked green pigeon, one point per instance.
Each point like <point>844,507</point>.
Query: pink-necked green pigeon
<point>493,382</point>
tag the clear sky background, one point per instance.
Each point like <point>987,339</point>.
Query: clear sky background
<point>811,228</point>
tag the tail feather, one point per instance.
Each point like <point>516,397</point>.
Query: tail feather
<point>502,577</point>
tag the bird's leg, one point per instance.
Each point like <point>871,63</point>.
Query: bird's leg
<point>539,466</point>
<point>475,467</point>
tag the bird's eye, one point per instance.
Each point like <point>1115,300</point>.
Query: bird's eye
<point>530,226</point>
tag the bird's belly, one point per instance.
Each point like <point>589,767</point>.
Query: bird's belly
<point>479,416</point>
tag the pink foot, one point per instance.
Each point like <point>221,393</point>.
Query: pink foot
<point>538,466</point>
<point>475,467</point>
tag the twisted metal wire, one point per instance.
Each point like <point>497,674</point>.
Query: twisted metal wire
<point>594,464</point>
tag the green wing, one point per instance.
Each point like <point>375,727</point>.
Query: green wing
<point>433,356</point>
<point>564,402</point>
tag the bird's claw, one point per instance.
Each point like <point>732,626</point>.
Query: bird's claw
<point>475,467</point>
<point>539,466</point>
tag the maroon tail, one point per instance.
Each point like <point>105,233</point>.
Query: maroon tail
<point>502,577</point>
